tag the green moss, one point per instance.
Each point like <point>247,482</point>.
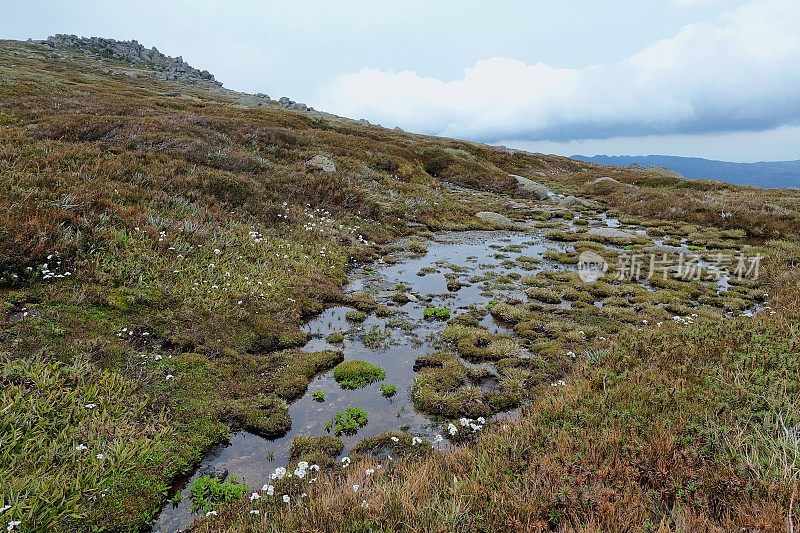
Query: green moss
<point>438,313</point>
<point>388,390</point>
<point>355,374</point>
<point>267,416</point>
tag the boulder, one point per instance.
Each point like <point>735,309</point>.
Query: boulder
<point>537,190</point>
<point>568,201</point>
<point>321,162</point>
<point>495,218</point>
<point>606,180</point>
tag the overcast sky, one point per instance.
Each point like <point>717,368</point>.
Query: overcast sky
<point>708,78</point>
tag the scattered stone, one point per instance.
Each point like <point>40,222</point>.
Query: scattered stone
<point>321,162</point>
<point>212,472</point>
<point>495,218</point>
<point>538,190</point>
<point>568,201</point>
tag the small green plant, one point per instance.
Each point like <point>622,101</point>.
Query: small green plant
<point>210,492</point>
<point>356,374</point>
<point>375,338</point>
<point>388,390</point>
<point>348,421</point>
<point>318,395</point>
<point>439,313</point>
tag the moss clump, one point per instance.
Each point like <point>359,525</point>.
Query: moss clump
<point>355,374</point>
<point>392,443</point>
<point>356,316</point>
<point>348,421</point>
<point>362,301</point>
<point>477,344</point>
<point>438,313</point>
<point>388,390</point>
<point>511,314</point>
<point>321,450</point>
<point>544,295</point>
<point>447,388</point>
<point>267,416</point>
<point>337,337</point>
<point>318,395</point>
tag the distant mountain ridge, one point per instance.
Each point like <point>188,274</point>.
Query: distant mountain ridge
<point>768,174</point>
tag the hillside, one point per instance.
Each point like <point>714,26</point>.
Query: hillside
<point>165,241</point>
<point>768,174</point>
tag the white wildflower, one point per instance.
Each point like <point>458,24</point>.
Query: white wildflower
<point>255,511</point>
<point>81,447</point>
<point>452,429</point>
<point>369,471</point>
<point>395,439</point>
<point>286,498</point>
<point>211,513</point>
<point>355,488</point>
<point>254,496</point>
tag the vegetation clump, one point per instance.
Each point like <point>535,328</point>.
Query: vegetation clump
<point>438,313</point>
<point>319,450</point>
<point>388,390</point>
<point>209,492</point>
<point>347,422</point>
<point>354,374</point>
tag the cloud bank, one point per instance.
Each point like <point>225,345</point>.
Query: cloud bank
<point>736,73</point>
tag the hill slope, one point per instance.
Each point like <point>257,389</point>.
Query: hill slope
<point>768,174</point>
<point>162,244</point>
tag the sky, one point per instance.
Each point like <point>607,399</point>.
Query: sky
<point>703,78</point>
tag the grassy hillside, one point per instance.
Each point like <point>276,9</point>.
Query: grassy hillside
<point>161,245</point>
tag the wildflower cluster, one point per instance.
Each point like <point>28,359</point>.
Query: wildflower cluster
<point>52,269</point>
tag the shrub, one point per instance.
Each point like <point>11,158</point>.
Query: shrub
<point>356,374</point>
